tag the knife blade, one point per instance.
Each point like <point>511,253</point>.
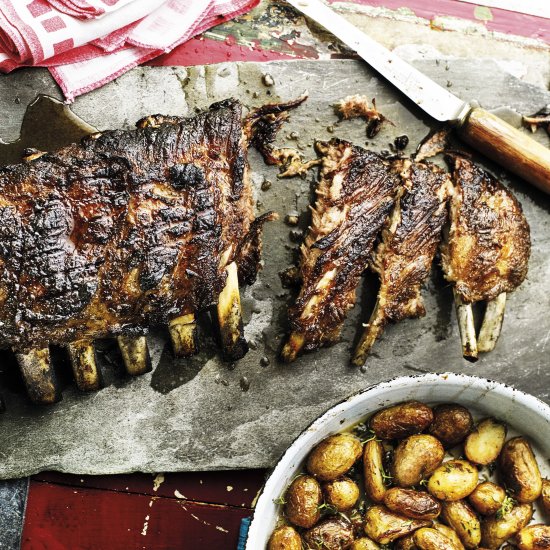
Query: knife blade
<point>486,132</point>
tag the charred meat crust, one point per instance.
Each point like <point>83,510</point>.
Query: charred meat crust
<point>127,229</point>
<point>488,245</point>
<point>404,257</point>
<point>355,193</point>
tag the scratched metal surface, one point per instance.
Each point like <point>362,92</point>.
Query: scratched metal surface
<point>195,414</point>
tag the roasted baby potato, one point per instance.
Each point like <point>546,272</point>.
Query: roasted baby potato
<point>364,543</point>
<point>484,444</point>
<point>459,516</point>
<point>285,538</point>
<point>401,420</point>
<point>415,458</point>
<point>334,456</point>
<point>405,543</point>
<point>341,493</point>
<point>450,534</point>
<point>412,504</point>
<point>453,480</point>
<point>451,424</point>
<point>431,539</point>
<point>520,471</point>
<point>496,530</point>
<point>487,498</point>
<point>302,501</point>
<point>545,496</point>
<point>534,537</point>
<point>384,526</point>
<point>330,534</point>
<point>373,470</point>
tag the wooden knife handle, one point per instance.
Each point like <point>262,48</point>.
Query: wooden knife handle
<point>508,146</point>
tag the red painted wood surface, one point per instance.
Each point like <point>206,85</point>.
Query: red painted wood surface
<point>188,511</point>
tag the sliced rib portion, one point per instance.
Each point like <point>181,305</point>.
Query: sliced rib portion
<point>355,193</point>
<point>488,245</point>
<point>404,257</point>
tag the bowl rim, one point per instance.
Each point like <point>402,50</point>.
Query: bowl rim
<point>507,390</point>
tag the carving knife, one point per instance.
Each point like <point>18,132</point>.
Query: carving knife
<point>487,133</point>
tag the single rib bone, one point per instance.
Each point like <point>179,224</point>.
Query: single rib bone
<point>183,333</point>
<point>135,354</point>
<point>492,323</point>
<point>465,316</point>
<point>234,345</point>
<point>39,376</point>
<point>373,329</point>
<point>83,362</point>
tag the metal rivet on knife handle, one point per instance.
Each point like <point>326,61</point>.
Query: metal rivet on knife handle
<point>465,316</point>
<point>492,324</point>
<point>183,333</point>
<point>83,363</point>
<point>135,354</point>
<point>508,146</point>
<point>38,375</point>
<point>230,320</point>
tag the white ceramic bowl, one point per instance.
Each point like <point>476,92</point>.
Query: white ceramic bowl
<point>523,412</point>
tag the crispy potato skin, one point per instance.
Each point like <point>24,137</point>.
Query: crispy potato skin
<point>405,543</point>
<point>431,539</point>
<point>451,425</point>
<point>285,538</point>
<point>303,498</point>
<point>487,498</point>
<point>364,543</point>
<point>534,537</point>
<point>520,471</point>
<point>459,516</point>
<point>411,503</point>
<point>330,534</point>
<point>545,496</point>
<point>401,420</point>
<point>334,456</point>
<point>494,531</point>
<point>373,470</point>
<point>453,480</point>
<point>450,534</point>
<point>341,493</point>
<point>383,526</point>
<point>416,457</point>
<point>484,444</point>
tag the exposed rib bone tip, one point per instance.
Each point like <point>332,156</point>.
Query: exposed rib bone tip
<point>293,347</point>
<point>183,334</point>
<point>83,363</point>
<point>135,354</point>
<point>492,324</point>
<point>39,376</point>
<point>230,320</point>
<point>465,316</point>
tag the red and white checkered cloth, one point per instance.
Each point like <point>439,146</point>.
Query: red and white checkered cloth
<point>87,43</point>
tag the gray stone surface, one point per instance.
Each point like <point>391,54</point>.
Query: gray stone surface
<point>13,495</point>
<point>194,414</point>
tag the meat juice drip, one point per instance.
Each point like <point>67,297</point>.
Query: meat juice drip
<point>48,124</point>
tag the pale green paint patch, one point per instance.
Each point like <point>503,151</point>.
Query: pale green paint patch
<point>483,13</point>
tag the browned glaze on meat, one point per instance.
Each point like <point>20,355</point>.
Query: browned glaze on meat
<point>127,229</point>
<point>404,257</point>
<point>488,245</point>
<point>355,193</point>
